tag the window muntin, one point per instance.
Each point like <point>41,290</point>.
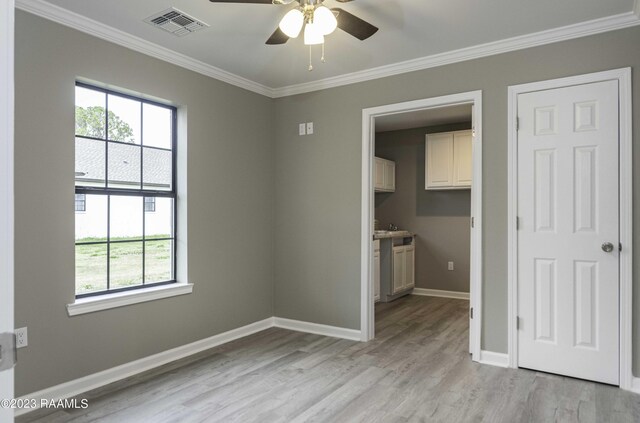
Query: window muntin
<point>81,203</point>
<point>125,169</point>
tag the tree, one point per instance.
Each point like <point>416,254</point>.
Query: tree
<point>90,123</point>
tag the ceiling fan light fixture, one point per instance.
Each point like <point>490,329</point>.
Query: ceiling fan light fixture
<point>325,20</point>
<point>313,35</point>
<point>292,22</point>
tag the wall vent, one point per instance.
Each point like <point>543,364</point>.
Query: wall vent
<point>176,22</point>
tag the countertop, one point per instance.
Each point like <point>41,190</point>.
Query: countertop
<point>392,234</point>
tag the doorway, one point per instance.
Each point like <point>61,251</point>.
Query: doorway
<point>472,100</point>
<point>570,234</point>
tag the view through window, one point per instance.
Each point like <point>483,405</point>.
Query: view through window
<point>125,192</point>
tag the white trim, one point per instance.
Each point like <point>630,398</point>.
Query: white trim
<point>96,380</point>
<point>316,328</point>
<point>121,299</point>
<point>623,76</point>
<point>81,23</point>
<point>494,359</point>
<point>97,29</point>
<point>635,385</point>
<point>596,26</point>
<point>6,189</point>
<point>424,292</point>
<point>367,320</point>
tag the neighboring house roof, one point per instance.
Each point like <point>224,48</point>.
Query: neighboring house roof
<point>124,164</point>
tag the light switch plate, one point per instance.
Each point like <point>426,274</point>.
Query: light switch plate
<point>302,128</point>
<point>309,128</point>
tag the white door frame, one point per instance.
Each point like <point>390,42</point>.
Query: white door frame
<point>367,319</point>
<point>623,76</point>
<point>6,188</point>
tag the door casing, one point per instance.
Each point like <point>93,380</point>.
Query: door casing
<point>623,76</point>
<point>6,189</point>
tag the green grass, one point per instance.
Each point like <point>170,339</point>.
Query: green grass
<point>126,264</point>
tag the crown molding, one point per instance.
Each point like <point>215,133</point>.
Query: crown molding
<point>569,32</point>
<point>89,26</point>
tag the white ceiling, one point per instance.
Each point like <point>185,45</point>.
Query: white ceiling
<point>424,118</point>
<point>409,29</point>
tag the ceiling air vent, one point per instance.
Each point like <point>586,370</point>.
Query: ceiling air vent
<point>176,22</point>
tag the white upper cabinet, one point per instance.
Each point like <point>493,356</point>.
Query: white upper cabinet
<point>448,162</point>
<point>384,175</point>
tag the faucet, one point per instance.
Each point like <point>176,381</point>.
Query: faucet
<point>392,227</point>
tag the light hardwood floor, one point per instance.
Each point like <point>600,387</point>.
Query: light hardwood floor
<point>416,370</point>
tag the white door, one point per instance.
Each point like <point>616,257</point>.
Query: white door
<point>389,175</point>
<point>462,159</point>
<point>568,233</point>
<point>378,173</point>
<point>439,160</point>
<point>409,266</point>
<point>6,194</point>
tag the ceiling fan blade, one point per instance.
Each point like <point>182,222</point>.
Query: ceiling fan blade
<point>344,1</point>
<point>278,37</point>
<point>354,25</point>
<point>243,1</point>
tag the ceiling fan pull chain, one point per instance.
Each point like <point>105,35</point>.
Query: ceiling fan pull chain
<point>322,58</point>
<point>310,64</point>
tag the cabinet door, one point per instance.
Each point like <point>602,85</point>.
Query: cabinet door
<point>376,275</point>
<point>398,270</point>
<point>409,267</point>
<point>378,173</point>
<point>389,175</point>
<point>462,160</point>
<point>439,160</point>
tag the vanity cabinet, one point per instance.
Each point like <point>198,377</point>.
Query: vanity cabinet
<point>384,175</point>
<point>403,264</point>
<point>448,160</point>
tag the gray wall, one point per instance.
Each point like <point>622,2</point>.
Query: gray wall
<point>440,219</point>
<point>318,178</point>
<point>230,186</point>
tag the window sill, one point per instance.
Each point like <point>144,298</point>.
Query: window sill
<point>121,299</point>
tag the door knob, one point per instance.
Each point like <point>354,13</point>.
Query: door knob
<point>607,247</point>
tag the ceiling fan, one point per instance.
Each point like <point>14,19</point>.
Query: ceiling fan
<point>316,19</point>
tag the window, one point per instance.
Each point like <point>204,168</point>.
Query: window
<point>81,202</point>
<point>125,167</point>
<point>149,204</point>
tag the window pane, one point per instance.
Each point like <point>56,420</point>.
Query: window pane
<point>126,218</point>
<point>160,223</point>
<point>125,264</point>
<point>156,126</point>
<point>124,166</point>
<point>158,261</point>
<point>157,169</point>
<point>124,119</point>
<point>91,226</point>
<point>90,163</point>
<point>91,268</point>
<point>90,113</point>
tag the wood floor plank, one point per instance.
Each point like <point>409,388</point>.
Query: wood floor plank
<point>417,369</point>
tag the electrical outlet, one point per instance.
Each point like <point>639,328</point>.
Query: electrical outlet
<point>450,265</point>
<point>302,129</point>
<point>22,340</point>
<point>309,128</point>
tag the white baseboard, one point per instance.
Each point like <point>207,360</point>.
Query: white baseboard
<point>318,329</point>
<point>96,380</point>
<point>440,293</point>
<point>494,359</point>
<point>635,385</point>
